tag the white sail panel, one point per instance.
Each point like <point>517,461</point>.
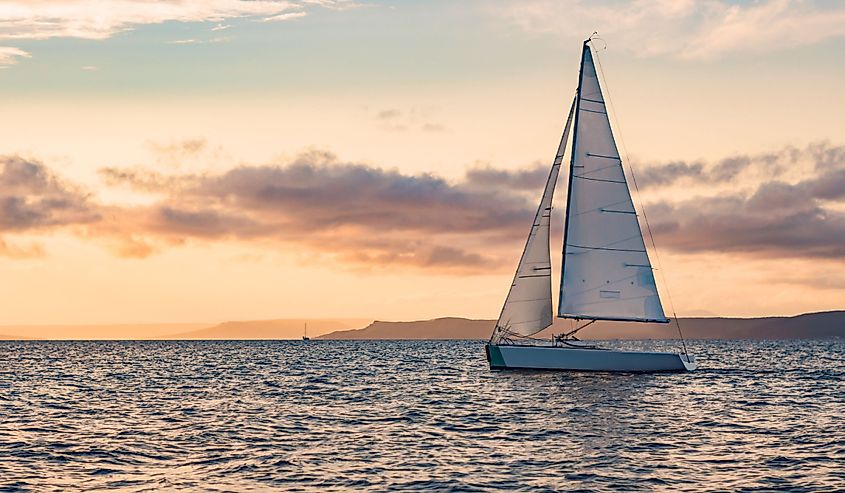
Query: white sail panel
<point>528,306</point>
<point>606,272</point>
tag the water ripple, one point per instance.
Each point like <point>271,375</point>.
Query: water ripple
<point>403,415</point>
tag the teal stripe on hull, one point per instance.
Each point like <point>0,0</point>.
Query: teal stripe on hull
<point>494,357</point>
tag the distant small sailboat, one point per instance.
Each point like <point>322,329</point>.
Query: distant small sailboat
<point>305,333</point>
<point>606,273</point>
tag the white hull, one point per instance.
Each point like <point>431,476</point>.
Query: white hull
<point>502,357</point>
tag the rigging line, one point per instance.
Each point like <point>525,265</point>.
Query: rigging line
<point>639,198</point>
<point>572,332</point>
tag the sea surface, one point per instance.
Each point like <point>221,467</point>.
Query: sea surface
<point>414,415</point>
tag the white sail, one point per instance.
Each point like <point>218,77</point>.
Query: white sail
<point>528,306</point>
<point>606,272</point>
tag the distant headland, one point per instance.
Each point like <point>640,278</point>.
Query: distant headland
<point>821,325</point>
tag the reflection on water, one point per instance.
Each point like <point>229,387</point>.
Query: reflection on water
<point>339,415</point>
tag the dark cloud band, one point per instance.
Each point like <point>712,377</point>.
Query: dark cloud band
<point>365,215</point>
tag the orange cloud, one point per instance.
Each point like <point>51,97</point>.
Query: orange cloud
<point>34,198</point>
<point>359,215</point>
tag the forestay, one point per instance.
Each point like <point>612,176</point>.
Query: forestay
<point>606,272</point>
<point>528,306</point>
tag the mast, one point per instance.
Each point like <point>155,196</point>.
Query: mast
<point>605,272</point>
<point>576,104</point>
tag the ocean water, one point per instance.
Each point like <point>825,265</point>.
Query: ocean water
<point>413,415</point>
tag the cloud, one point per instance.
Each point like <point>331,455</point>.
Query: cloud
<point>433,127</point>
<point>351,212</point>
<point>786,203</point>
<point>285,17</point>
<point>766,165</point>
<point>142,179</point>
<point>314,194</point>
<point>392,119</point>
<point>33,198</point>
<point>388,114</point>
<point>177,153</point>
<point>357,215</point>
<point>43,19</point>
<point>683,29</point>
<point>335,4</point>
<point>397,120</point>
<point>10,55</point>
<point>669,173</point>
<point>193,41</point>
<point>778,220</point>
<point>531,179</point>
<point>179,148</point>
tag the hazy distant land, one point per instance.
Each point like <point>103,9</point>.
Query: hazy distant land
<point>821,325</point>
<point>254,329</point>
<point>272,329</point>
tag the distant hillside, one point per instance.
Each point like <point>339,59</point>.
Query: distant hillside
<point>270,329</point>
<point>822,325</point>
<point>439,328</point>
<point>808,326</point>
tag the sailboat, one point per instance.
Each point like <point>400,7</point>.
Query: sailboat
<point>606,273</point>
<point>305,333</point>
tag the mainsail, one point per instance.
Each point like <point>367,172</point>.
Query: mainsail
<point>606,272</point>
<point>528,306</point>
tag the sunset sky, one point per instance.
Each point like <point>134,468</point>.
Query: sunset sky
<point>211,160</point>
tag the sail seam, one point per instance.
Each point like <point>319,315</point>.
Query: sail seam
<point>603,156</point>
<point>607,249</point>
<point>614,300</point>
<point>623,240</point>
<point>600,179</point>
<point>597,208</point>
<point>596,170</point>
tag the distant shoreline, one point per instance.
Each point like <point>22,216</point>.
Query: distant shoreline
<point>817,325</point>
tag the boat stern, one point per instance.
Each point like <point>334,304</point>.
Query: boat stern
<point>688,361</point>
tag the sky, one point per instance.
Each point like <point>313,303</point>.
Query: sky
<point>202,161</point>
